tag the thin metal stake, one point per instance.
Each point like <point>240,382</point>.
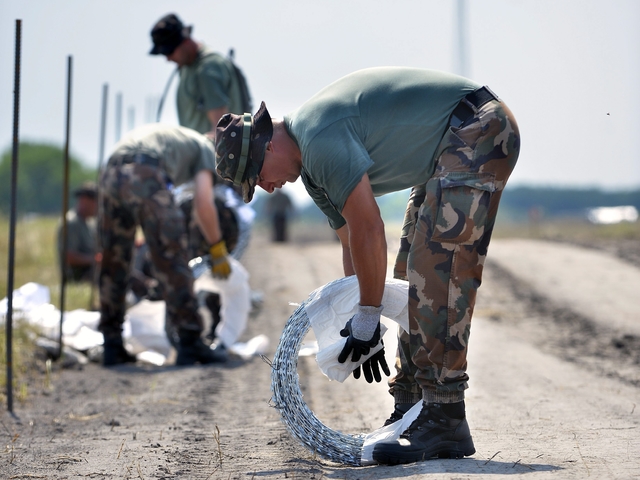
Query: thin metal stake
<point>103,126</point>
<point>12,221</point>
<point>103,129</point>
<point>118,115</point>
<point>65,203</point>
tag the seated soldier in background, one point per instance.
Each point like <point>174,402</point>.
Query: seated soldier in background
<point>81,254</point>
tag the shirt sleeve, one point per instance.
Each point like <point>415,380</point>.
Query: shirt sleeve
<point>207,157</point>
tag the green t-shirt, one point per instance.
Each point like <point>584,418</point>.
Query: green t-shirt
<point>81,238</point>
<point>182,152</point>
<point>385,121</point>
<point>207,83</point>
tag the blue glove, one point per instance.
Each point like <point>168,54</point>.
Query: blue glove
<point>371,367</point>
<point>362,332</point>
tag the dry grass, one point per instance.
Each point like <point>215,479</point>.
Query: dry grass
<point>36,260</point>
<point>568,229</point>
<point>23,360</point>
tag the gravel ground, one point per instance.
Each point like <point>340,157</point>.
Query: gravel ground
<point>568,410</point>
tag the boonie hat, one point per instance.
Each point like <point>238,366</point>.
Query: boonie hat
<point>241,141</point>
<point>87,189</point>
<point>167,34</point>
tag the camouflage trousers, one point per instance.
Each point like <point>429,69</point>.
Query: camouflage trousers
<point>133,194</point>
<point>446,232</point>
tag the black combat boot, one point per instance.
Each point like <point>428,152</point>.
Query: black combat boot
<point>192,350</point>
<point>433,434</point>
<point>114,352</point>
<point>398,412</point>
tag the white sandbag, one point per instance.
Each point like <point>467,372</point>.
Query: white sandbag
<point>74,320</point>
<point>331,306</point>
<point>47,318</point>
<point>80,329</point>
<point>235,300</point>
<point>256,346</point>
<point>27,297</point>
<point>152,358</point>
<point>84,339</point>
<point>144,328</point>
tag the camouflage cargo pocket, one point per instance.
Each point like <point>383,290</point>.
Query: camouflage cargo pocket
<point>463,207</point>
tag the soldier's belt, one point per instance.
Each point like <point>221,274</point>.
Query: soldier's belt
<point>470,105</point>
<point>139,158</point>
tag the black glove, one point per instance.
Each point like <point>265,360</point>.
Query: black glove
<point>359,347</point>
<point>371,367</point>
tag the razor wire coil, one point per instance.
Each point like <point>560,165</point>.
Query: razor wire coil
<point>296,415</point>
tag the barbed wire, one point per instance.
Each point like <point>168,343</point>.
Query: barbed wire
<point>296,415</point>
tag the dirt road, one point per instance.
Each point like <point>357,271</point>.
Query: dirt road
<point>553,392</point>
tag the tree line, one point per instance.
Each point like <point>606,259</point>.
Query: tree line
<point>563,202</point>
<point>41,170</point>
<point>40,178</point>
<point>518,201</point>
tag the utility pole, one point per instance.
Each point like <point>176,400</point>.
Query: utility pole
<point>132,117</point>
<point>462,29</point>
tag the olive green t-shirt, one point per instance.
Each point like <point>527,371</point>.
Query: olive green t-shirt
<point>182,152</point>
<point>209,82</point>
<point>385,121</point>
<point>81,238</point>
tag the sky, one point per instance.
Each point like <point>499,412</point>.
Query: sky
<point>569,69</point>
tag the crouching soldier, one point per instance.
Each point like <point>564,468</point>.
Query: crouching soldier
<point>381,130</point>
<point>136,191</point>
